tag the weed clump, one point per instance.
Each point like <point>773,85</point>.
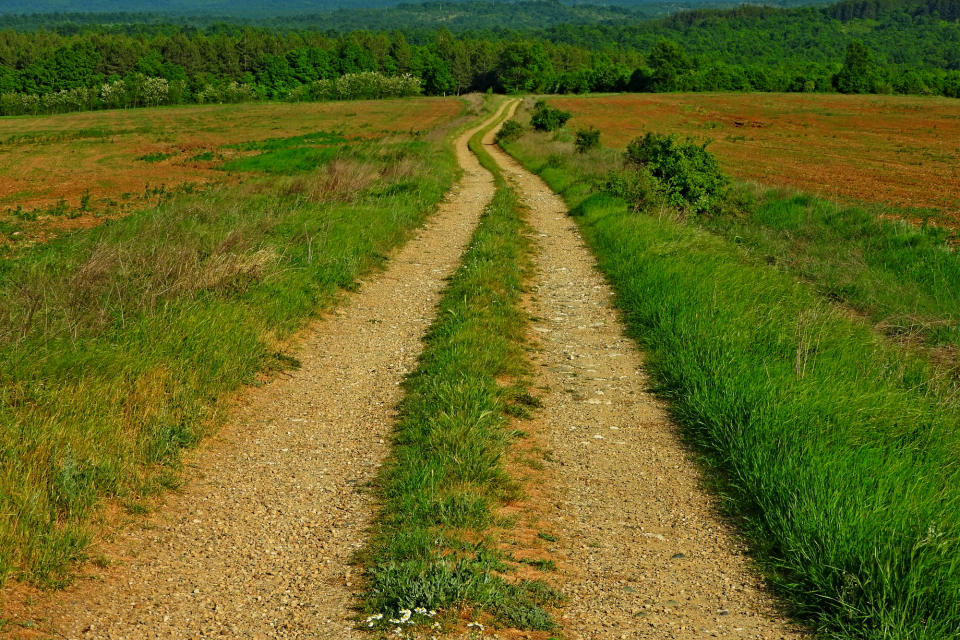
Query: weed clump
<point>635,186</point>
<point>690,174</point>
<point>547,118</point>
<point>587,139</point>
<point>510,131</point>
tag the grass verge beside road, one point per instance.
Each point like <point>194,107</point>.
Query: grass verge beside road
<point>117,344</point>
<point>432,547</point>
<point>835,450</point>
<point>903,277</point>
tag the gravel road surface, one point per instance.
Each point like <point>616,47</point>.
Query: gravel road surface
<point>258,543</point>
<point>642,551</point>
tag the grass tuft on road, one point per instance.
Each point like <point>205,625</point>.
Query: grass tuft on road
<point>445,478</point>
<point>835,450</point>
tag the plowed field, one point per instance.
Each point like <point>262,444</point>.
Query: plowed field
<point>899,150</point>
<point>44,159</point>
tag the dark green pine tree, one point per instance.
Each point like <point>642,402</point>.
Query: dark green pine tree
<point>858,70</point>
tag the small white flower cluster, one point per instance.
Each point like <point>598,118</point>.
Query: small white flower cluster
<point>237,92</point>
<point>136,90</point>
<point>230,92</point>
<point>15,104</point>
<point>406,617</point>
<point>152,91</point>
<point>475,625</point>
<point>358,86</point>
<point>113,94</point>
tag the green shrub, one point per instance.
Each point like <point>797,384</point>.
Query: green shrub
<point>690,174</point>
<point>546,118</point>
<point>635,186</point>
<point>587,139</point>
<point>510,131</point>
<point>26,216</point>
<point>155,157</point>
<point>556,160</point>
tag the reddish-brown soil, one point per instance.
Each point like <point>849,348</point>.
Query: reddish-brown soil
<point>898,150</point>
<point>46,158</point>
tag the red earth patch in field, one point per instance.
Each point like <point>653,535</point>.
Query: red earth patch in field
<point>898,150</point>
<point>44,159</point>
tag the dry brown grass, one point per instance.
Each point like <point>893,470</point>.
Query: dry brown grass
<point>339,181</point>
<point>40,164</point>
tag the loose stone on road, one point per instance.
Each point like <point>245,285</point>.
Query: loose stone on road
<point>641,551</point>
<point>258,544</point>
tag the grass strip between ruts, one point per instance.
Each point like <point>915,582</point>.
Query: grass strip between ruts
<point>431,546</point>
<point>836,452</point>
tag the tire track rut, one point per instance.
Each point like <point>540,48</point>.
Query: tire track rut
<point>258,543</point>
<point>641,551</point>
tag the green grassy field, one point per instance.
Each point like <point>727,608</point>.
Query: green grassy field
<point>833,448</point>
<point>117,344</point>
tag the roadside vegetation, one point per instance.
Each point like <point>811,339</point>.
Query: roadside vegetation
<point>117,344</point>
<point>887,265</point>
<point>434,545</point>
<point>833,447</point>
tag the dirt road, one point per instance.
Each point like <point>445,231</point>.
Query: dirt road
<point>258,544</point>
<point>641,551</point>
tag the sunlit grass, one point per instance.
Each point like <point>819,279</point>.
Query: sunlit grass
<point>835,450</point>
<point>117,344</point>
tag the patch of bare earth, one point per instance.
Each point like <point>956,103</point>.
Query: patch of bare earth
<point>640,549</point>
<point>259,543</point>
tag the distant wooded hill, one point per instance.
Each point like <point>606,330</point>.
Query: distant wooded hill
<point>910,33</point>
<point>909,46</point>
<point>262,9</point>
<point>455,16</point>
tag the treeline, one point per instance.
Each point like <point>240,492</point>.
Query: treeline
<point>260,64</point>
<point>43,72</point>
<point>915,34</point>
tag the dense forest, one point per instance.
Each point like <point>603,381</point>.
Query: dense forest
<point>421,18</point>
<point>256,9</point>
<point>855,47</point>
<point>469,15</point>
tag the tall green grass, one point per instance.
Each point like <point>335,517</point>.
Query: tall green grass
<point>288,155</point>
<point>904,277</point>
<point>432,546</point>
<point>835,451</point>
<point>116,344</point>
